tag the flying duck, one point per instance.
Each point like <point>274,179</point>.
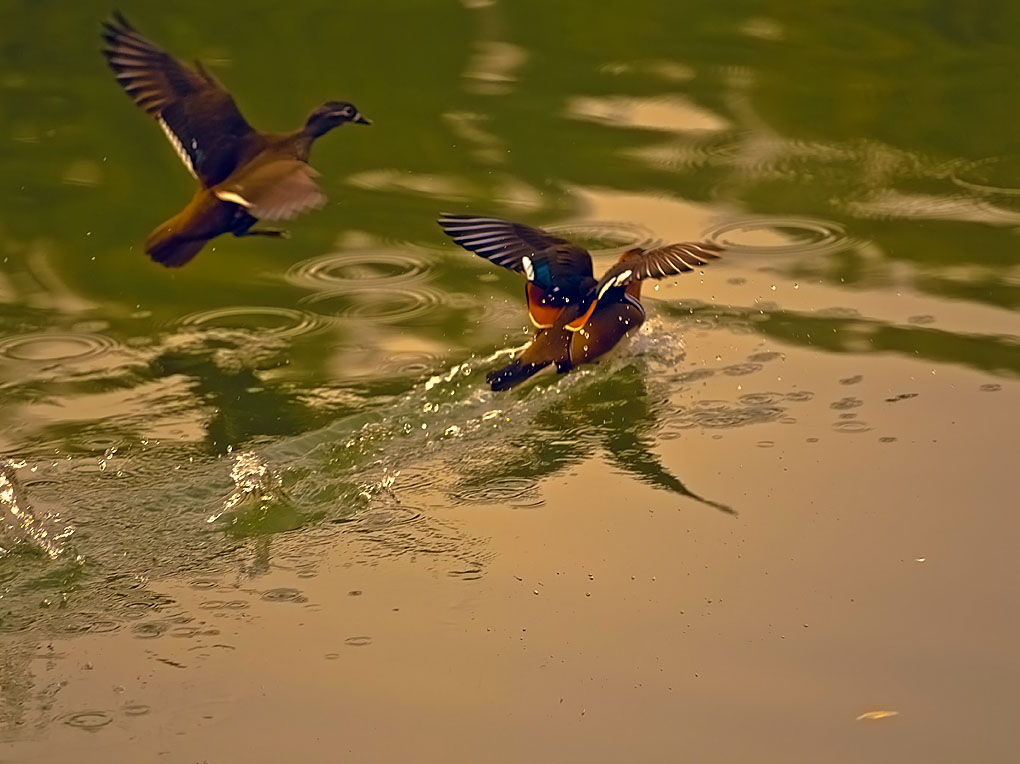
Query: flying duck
<point>244,175</point>
<point>577,318</point>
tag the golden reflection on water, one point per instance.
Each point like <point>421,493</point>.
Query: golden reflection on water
<point>667,114</point>
<point>875,715</point>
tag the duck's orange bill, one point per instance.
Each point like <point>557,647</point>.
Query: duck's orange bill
<point>542,316</point>
<point>578,323</point>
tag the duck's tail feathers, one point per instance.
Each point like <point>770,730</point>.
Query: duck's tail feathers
<point>513,374</point>
<point>171,249</point>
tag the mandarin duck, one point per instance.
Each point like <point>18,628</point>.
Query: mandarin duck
<point>577,318</point>
<point>244,175</point>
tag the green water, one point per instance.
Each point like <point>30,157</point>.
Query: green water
<point>864,151</point>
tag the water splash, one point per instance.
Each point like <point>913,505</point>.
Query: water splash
<point>20,523</point>
<point>452,427</point>
<point>254,484</point>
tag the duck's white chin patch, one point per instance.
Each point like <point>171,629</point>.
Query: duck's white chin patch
<point>232,196</point>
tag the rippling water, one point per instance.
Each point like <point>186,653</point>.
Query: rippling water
<point>246,413</point>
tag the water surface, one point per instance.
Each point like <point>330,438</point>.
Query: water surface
<point>783,508</point>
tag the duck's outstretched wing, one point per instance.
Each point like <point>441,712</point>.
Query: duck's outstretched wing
<point>559,273</point>
<point>504,242</point>
<point>670,260</point>
<point>195,111</point>
<point>277,190</point>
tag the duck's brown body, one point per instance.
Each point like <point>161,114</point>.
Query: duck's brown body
<point>610,321</point>
<point>244,174</point>
<point>175,241</point>
<point>577,318</point>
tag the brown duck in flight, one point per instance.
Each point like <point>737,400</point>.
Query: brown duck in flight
<point>577,317</point>
<point>245,175</point>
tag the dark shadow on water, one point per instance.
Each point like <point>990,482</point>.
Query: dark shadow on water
<point>614,414</point>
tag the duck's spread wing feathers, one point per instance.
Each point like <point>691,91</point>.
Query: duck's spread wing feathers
<point>278,190</point>
<point>197,114</point>
<point>502,241</point>
<point>670,260</point>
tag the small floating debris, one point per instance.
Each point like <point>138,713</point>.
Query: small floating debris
<point>875,715</point>
<point>901,397</point>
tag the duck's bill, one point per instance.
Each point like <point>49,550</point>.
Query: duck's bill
<point>361,120</point>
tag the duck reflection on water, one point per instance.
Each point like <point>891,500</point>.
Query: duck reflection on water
<point>615,414</point>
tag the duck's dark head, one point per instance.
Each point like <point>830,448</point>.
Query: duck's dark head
<point>332,114</point>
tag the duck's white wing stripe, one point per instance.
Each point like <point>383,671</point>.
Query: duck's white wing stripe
<point>233,196</point>
<point>178,146</point>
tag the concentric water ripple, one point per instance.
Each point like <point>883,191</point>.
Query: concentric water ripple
<point>284,594</point>
<point>710,414</point>
<point>606,238</point>
<point>762,399</point>
<point>392,305</point>
<point>270,320</point>
<point>89,720</point>
<point>432,185</point>
<point>779,236</point>
<point>851,426</point>
<point>517,492</point>
<point>54,347</point>
<point>357,269</point>
<point>992,175</point>
<point>409,362</point>
<point>415,480</point>
<point>376,518</point>
<point>692,153</point>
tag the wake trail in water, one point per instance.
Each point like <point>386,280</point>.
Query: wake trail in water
<point>451,435</point>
